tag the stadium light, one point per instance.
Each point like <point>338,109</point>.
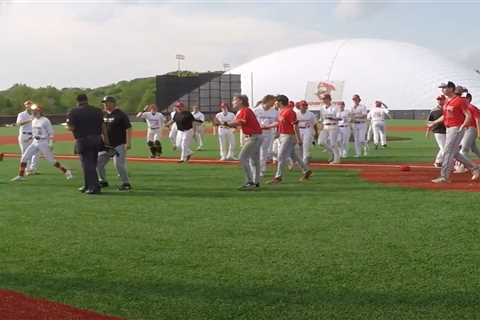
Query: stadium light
<point>179,58</point>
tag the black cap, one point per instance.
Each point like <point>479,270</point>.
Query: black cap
<point>449,84</point>
<point>109,99</point>
<point>82,97</point>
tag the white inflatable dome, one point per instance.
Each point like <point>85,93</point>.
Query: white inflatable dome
<point>402,75</point>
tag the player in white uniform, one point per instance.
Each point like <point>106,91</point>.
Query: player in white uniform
<point>266,115</point>
<point>42,142</point>
<point>226,135</point>
<point>359,125</point>
<point>344,130</point>
<point>198,126</point>
<point>25,138</point>
<point>377,117</point>
<point>155,123</point>
<point>307,125</point>
<point>172,135</point>
<point>328,137</point>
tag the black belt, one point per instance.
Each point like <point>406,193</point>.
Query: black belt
<point>330,124</point>
<point>154,128</point>
<point>29,133</point>
<point>358,122</point>
<point>39,138</point>
<point>304,127</point>
<point>342,126</point>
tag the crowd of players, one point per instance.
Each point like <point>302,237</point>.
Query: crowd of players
<point>285,135</point>
<point>275,130</point>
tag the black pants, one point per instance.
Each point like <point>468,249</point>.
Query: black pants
<point>88,149</point>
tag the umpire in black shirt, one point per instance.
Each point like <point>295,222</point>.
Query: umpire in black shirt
<point>86,123</point>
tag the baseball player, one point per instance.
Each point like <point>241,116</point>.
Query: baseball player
<point>377,117</point>
<point>328,137</point>
<point>472,131</point>
<point>172,135</point>
<point>42,131</point>
<point>155,122</point>
<point>252,133</point>
<point>183,120</point>
<point>289,135</point>
<point>226,134</point>
<point>456,118</point>
<point>266,115</point>
<point>25,136</point>
<point>198,128</point>
<point>307,125</point>
<point>344,130</point>
<point>439,130</point>
<point>359,125</point>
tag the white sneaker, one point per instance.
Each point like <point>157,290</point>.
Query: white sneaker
<point>18,178</point>
<point>68,175</point>
<point>335,162</point>
<point>475,174</point>
<point>460,169</point>
<point>30,172</point>
<point>223,159</point>
<point>440,180</point>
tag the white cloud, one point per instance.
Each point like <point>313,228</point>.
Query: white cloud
<point>354,9</point>
<point>91,45</point>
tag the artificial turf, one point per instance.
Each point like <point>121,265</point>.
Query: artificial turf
<point>184,244</point>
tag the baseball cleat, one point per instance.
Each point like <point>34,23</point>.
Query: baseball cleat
<point>223,159</point>
<point>249,186</point>
<point>103,184</point>
<point>275,180</point>
<point>188,158</point>
<point>306,175</point>
<point>125,187</point>
<point>335,162</point>
<point>475,174</point>
<point>18,178</point>
<point>68,175</point>
<point>440,180</point>
<point>437,164</point>
<point>1,156</point>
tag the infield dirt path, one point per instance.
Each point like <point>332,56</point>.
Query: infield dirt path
<point>16,306</point>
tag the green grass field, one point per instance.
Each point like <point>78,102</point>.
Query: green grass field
<point>184,244</point>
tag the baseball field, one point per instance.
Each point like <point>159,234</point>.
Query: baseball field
<point>362,240</point>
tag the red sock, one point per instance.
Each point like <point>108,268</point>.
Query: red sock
<point>60,167</point>
<point>21,171</point>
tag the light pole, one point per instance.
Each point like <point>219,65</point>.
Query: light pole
<point>179,58</point>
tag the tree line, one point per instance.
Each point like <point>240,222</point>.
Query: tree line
<point>131,96</point>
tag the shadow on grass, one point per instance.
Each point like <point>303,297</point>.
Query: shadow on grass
<point>143,291</point>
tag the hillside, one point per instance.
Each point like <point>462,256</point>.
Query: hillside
<point>132,95</point>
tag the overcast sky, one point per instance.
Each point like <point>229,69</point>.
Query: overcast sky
<point>92,43</point>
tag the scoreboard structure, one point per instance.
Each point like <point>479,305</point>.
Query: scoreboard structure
<point>206,90</point>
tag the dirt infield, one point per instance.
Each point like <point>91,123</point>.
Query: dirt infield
<point>16,306</point>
